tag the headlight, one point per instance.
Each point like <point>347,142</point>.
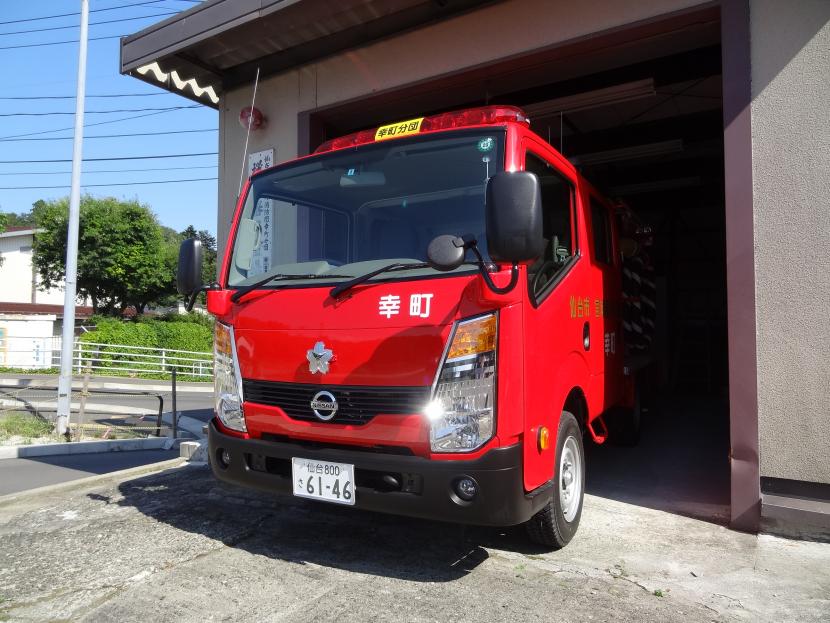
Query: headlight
<point>462,412</point>
<point>227,382</point>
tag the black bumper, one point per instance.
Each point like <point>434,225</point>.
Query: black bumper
<point>425,487</point>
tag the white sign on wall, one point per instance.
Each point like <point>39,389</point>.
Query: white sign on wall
<point>260,160</point>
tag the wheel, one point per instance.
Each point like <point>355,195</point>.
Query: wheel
<point>555,525</point>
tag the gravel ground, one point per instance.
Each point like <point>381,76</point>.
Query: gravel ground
<point>178,546</point>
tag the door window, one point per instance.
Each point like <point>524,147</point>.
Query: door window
<point>557,226</point>
<point>601,225</point>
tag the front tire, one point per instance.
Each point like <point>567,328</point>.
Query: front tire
<point>556,524</point>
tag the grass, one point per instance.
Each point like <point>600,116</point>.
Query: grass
<point>23,425</point>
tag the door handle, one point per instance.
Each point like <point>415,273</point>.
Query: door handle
<point>586,336</point>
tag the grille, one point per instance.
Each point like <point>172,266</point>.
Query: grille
<point>356,404</point>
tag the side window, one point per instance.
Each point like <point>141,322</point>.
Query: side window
<point>557,224</point>
<point>601,226</point>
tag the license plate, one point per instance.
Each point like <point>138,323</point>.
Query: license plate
<point>321,480</point>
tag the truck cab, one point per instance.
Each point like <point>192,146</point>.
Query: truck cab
<point>421,319</point>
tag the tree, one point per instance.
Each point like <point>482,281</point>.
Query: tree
<point>24,219</point>
<point>121,252</point>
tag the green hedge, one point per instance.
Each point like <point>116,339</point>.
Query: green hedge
<point>174,333</point>
<point>184,334</point>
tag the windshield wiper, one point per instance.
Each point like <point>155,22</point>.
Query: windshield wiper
<point>257,284</point>
<point>340,289</point>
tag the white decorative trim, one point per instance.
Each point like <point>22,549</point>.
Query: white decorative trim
<point>178,82</point>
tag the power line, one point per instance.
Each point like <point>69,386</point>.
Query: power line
<point>38,45</point>
<point>86,125</point>
<point>196,179</point>
<point>205,153</point>
<point>207,166</point>
<point>96,112</point>
<point>112,8</point>
<point>111,21</point>
<point>72,97</point>
<point>69,138</point>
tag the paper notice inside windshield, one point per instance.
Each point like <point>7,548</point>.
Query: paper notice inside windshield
<point>261,255</point>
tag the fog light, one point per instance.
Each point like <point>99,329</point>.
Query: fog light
<point>224,457</point>
<point>466,488</point>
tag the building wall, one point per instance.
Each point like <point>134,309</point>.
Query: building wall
<point>790,54</point>
<point>16,273</point>
<point>494,32</point>
<point>27,341</point>
<point>16,270</point>
<point>791,176</point>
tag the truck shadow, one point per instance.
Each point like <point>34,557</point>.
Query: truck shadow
<point>309,533</point>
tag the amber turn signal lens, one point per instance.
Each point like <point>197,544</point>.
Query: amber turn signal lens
<point>544,438</point>
<point>474,337</point>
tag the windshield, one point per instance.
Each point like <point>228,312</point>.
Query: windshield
<point>347,213</point>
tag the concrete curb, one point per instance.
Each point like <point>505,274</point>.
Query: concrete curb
<point>124,474</point>
<point>188,424</point>
<point>86,447</point>
<point>194,451</point>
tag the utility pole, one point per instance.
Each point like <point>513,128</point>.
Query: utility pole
<point>70,292</point>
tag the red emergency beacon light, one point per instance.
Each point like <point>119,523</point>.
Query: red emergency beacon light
<point>485,115</point>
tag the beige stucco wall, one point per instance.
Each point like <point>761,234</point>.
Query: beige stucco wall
<point>16,272</point>
<point>501,30</point>
<point>790,52</point>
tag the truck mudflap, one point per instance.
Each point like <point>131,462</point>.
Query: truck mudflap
<point>390,483</point>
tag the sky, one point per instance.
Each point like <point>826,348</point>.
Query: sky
<point>32,74</point>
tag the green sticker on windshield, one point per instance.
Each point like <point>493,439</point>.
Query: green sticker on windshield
<point>486,144</point>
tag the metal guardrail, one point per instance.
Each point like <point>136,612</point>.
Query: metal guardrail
<point>40,402</point>
<point>99,357</point>
<point>32,353</point>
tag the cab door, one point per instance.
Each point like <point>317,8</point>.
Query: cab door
<point>559,304</point>
<point>606,351</point>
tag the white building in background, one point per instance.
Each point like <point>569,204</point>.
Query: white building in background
<point>31,318</point>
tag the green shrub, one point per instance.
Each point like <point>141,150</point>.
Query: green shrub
<point>153,334</point>
<point>205,320</point>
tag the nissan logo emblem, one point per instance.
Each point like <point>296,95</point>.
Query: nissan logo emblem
<point>324,405</point>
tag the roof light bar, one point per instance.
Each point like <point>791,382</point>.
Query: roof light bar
<point>485,115</point>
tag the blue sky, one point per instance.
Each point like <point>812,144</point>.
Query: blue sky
<point>51,70</point>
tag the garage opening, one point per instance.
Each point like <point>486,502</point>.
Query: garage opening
<point>640,113</point>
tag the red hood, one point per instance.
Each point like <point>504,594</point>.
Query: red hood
<point>375,340</point>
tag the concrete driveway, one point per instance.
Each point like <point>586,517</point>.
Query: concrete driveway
<point>177,546</point>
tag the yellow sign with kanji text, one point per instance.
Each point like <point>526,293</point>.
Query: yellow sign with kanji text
<point>401,128</point>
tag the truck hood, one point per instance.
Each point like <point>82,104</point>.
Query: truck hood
<point>379,334</point>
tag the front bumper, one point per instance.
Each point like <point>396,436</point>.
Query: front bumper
<point>426,487</point>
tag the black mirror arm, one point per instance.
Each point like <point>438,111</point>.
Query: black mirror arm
<point>472,244</point>
<point>192,300</point>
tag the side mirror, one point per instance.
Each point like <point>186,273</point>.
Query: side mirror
<point>189,269</point>
<point>446,252</point>
<point>513,215</point>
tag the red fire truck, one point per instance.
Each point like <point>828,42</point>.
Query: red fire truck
<point>422,319</point>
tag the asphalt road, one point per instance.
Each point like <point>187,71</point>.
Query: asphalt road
<point>23,474</point>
